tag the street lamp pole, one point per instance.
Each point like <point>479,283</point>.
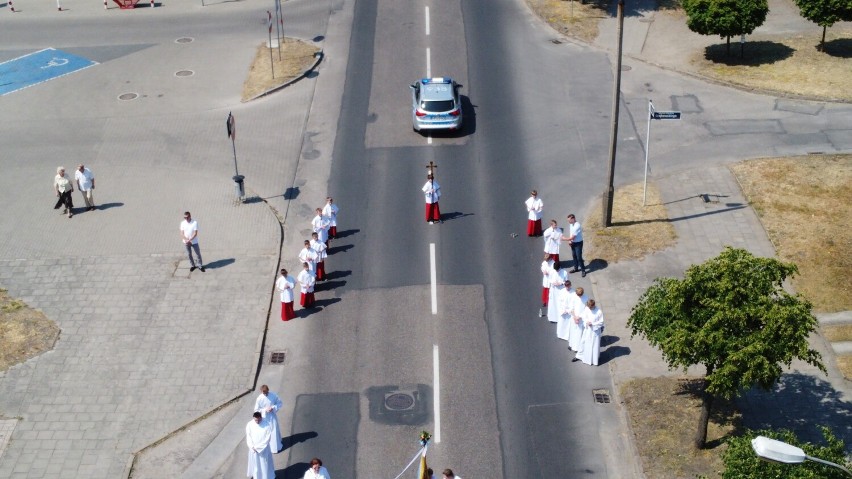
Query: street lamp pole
<point>616,90</point>
<point>777,451</point>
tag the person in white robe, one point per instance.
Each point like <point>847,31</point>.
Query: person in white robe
<point>320,225</point>
<point>268,404</point>
<point>576,325</point>
<point>432,195</point>
<point>590,346</point>
<point>566,310</point>
<point>557,284</point>
<point>546,271</point>
<point>258,436</point>
<point>534,206</point>
<point>285,284</point>
<point>330,211</point>
<point>552,240</point>
<point>308,255</point>
<point>317,470</point>
<point>321,250</point>
<point>306,281</point>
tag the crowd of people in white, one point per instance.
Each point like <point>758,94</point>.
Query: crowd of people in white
<point>578,319</point>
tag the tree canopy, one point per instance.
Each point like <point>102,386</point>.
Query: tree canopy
<point>732,315</point>
<point>725,18</point>
<point>825,13</point>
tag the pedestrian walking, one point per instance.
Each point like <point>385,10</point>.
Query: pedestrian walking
<point>557,284</point>
<point>261,465</point>
<point>590,345</point>
<point>189,236</point>
<point>285,285</point>
<point>552,237</point>
<point>577,326</point>
<point>432,194</point>
<point>306,281</point>
<point>534,207</point>
<point>575,239</point>
<point>566,308</point>
<point>86,185</point>
<point>546,271</point>
<point>322,253</point>
<point>330,211</point>
<point>320,225</point>
<point>308,255</point>
<point>63,188</point>
<point>268,404</point>
<point>317,470</point>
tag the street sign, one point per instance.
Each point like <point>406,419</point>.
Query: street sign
<point>665,115</point>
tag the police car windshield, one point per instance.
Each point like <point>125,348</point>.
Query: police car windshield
<point>437,105</point>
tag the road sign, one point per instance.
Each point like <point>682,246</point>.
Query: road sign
<point>665,115</point>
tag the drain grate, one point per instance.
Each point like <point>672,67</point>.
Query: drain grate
<point>277,357</point>
<point>601,396</point>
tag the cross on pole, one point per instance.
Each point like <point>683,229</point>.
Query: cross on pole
<point>430,168</point>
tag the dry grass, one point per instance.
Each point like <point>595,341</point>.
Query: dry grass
<point>787,64</point>
<point>296,57</point>
<point>844,363</point>
<point>839,332</point>
<point>805,204</point>
<point>636,230</point>
<point>571,17</point>
<point>664,415</point>
<point>24,332</point>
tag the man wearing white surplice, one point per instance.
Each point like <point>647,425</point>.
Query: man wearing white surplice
<point>557,283</point>
<point>590,346</point>
<point>258,436</point>
<point>575,326</point>
<point>268,404</point>
<point>566,310</point>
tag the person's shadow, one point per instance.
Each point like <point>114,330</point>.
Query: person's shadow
<point>295,471</point>
<point>299,438</point>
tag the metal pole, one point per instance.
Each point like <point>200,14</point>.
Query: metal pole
<point>647,143</point>
<point>278,26</point>
<point>234,147</point>
<point>271,62</point>
<point>616,88</point>
<point>828,463</point>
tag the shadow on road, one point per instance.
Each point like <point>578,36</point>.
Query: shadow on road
<point>219,263</point>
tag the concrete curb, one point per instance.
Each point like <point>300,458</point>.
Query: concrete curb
<point>319,57</point>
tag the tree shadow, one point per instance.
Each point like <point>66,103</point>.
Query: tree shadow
<point>295,471</point>
<point>220,263</point>
<point>299,438</point>
<point>839,47</point>
<point>761,52</point>
<point>800,403</point>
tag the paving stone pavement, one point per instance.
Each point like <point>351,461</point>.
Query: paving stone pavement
<point>709,212</point>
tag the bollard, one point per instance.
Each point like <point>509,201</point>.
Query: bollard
<point>239,185</point>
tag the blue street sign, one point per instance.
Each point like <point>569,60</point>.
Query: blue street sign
<point>38,67</point>
<point>665,115</point>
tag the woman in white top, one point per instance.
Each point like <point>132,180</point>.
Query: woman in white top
<point>63,188</point>
<point>317,470</point>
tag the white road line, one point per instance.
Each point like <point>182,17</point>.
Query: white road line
<point>436,394</point>
<point>427,21</point>
<point>429,139</point>
<point>433,273</point>
<point>428,63</point>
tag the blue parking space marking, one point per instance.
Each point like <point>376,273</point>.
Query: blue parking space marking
<point>38,67</point>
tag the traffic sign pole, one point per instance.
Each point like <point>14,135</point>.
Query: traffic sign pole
<point>647,145</point>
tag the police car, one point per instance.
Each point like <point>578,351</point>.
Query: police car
<point>435,104</point>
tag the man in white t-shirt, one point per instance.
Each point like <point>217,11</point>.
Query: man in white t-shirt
<point>189,236</point>
<point>575,239</point>
<point>86,185</point>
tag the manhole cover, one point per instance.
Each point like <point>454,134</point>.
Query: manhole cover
<point>399,401</point>
<point>601,396</point>
<point>626,68</point>
<point>128,96</point>
<point>184,40</point>
<point>277,357</point>
<point>184,73</point>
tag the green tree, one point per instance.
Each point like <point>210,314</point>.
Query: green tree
<point>731,315</point>
<point>825,13</point>
<point>725,18</point>
<point>742,463</point>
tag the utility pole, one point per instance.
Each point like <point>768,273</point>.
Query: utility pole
<point>616,91</point>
